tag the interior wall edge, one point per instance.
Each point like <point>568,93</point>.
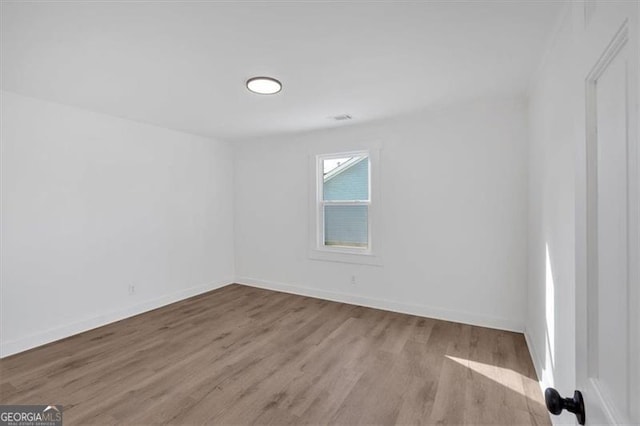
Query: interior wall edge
<point>388,305</point>
<point>48,336</point>
<point>537,364</point>
<point>126,118</point>
<point>562,20</point>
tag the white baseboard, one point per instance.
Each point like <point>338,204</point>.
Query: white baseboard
<point>29,342</point>
<point>537,365</point>
<point>404,308</point>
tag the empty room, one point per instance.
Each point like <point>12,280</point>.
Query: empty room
<point>320,212</point>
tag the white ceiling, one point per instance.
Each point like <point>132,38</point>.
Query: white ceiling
<point>183,65</point>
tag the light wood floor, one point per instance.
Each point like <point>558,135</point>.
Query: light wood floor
<point>240,355</point>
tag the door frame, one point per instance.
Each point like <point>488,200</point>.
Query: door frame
<point>593,59</point>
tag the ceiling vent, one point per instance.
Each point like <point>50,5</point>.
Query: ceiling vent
<point>342,117</point>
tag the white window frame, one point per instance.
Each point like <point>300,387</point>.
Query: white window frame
<point>318,250</point>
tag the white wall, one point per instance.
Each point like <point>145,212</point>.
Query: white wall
<point>93,203</point>
<point>550,326</point>
<point>453,212</point>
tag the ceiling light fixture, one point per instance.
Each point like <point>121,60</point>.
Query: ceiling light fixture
<point>264,85</point>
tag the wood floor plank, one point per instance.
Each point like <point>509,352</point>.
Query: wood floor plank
<point>242,355</point>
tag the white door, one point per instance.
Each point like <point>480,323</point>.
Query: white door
<point>608,233</point>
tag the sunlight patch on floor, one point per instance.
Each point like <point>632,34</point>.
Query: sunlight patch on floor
<point>504,376</point>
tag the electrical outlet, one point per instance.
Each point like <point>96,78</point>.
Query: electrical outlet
<point>353,279</point>
<point>132,289</point>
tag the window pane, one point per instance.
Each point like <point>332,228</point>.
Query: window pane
<point>346,226</point>
<point>346,179</point>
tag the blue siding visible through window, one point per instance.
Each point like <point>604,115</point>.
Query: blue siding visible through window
<point>352,184</point>
<point>347,225</point>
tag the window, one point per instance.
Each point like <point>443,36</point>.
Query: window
<point>343,202</point>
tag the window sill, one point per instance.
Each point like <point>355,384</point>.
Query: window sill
<point>345,257</point>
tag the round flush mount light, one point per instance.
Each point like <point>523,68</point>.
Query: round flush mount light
<point>264,85</point>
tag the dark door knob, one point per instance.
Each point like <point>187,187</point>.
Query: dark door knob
<point>556,403</point>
